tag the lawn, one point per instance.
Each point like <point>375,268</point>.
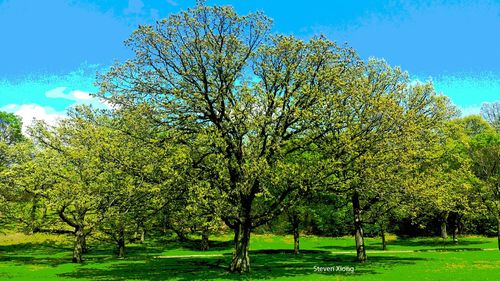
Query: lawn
<point>47,257</point>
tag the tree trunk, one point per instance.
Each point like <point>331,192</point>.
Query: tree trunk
<point>33,224</point>
<point>85,249</point>
<point>204,239</point>
<point>180,235</point>
<point>294,220</point>
<point>498,231</point>
<point>121,243</point>
<point>241,261</point>
<point>444,219</point>
<point>382,235</point>
<point>456,223</point>
<point>358,227</point>
<point>143,234</point>
<point>296,246</point>
<point>79,245</point>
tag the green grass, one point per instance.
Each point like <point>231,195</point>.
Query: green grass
<point>46,257</point>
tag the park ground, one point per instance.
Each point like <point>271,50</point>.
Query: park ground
<point>48,257</point>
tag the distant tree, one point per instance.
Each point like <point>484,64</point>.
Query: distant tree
<point>491,113</point>
<point>10,128</point>
<point>14,151</point>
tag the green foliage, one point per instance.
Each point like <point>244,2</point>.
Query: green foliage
<point>10,128</point>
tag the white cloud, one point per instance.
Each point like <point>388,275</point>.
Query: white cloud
<point>31,112</point>
<point>81,95</point>
<point>107,104</point>
<point>59,93</point>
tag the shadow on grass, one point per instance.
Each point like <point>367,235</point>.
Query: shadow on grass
<point>194,244</point>
<point>47,253</point>
<point>266,264</point>
<point>348,248</point>
<point>141,264</point>
<point>428,244</point>
<point>433,242</point>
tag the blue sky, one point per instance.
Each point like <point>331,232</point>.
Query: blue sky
<point>51,50</point>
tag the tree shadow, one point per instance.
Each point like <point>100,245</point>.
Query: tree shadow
<point>437,243</point>
<point>194,244</point>
<point>47,253</point>
<point>142,263</point>
<point>34,249</point>
<point>266,264</point>
<point>349,248</point>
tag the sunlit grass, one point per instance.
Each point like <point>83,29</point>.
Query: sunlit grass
<point>47,257</point>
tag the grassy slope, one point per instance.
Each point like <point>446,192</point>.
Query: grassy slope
<point>45,257</point>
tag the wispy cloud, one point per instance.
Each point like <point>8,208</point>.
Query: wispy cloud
<point>75,95</point>
<point>172,2</point>
<point>134,7</point>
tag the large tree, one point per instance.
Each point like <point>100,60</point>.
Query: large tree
<point>241,100</point>
<point>382,121</point>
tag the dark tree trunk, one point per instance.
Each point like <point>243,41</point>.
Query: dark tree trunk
<point>180,234</point>
<point>358,228</point>
<point>296,245</point>
<point>498,231</point>
<point>204,239</point>
<point>32,224</point>
<point>241,261</point>
<point>79,244</point>
<point>85,249</point>
<point>295,222</point>
<point>382,236</point>
<point>121,243</point>
<point>444,220</point>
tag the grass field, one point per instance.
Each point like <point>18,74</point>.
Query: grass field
<point>47,257</point>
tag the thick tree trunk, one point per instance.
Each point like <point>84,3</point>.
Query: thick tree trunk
<point>382,236</point>
<point>444,220</point>
<point>85,249</point>
<point>241,261</point>
<point>121,243</point>
<point>204,239</point>
<point>79,245</point>
<point>358,227</point>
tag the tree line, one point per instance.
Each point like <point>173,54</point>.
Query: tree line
<point>218,123</point>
